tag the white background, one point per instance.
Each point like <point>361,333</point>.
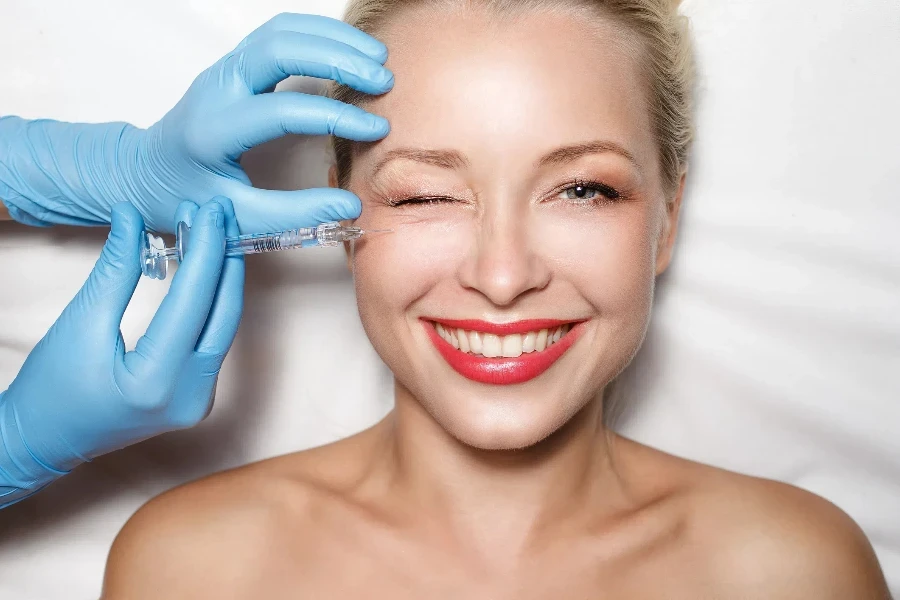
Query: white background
<point>775,345</point>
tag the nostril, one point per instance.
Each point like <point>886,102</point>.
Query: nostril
<point>501,265</point>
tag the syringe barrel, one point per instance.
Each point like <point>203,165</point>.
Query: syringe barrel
<point>155,256</point>
<point>269,242</point>
<point>326,234</point>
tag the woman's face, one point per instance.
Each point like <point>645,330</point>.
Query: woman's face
<point>522,185</point>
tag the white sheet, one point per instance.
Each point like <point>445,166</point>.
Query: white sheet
<point>776,337</point>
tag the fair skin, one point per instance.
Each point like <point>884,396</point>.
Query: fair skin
<point>476,490</point>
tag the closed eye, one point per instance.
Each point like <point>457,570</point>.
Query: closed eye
<point>422,200</point>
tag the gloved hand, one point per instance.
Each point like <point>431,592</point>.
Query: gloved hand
<point>80,395</point>
<point>52,172</point>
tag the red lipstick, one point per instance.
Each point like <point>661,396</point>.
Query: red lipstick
<point>502,371</point>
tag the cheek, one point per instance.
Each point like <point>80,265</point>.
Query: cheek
<point>392,270</point>
<point>607,254</point>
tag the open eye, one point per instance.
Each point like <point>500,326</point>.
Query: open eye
<point>589,191</point>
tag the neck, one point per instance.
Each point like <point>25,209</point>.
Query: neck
<point>501,496</point>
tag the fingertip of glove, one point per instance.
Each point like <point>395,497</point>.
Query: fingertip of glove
<point>124,217</point>
<point>231,224</point>
<point>388,81</point>
<point>380,79</point>
<point>214,213</point>
<point>207,234</point>
<point>123,210</point>
<point>378,51</point>
<point>225,202</point>
<point>185,212</point>
<point>378,127</point>
<point>122,249</point>
<point>346,205</point>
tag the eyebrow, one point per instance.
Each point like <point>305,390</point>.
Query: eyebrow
<point>575,151</point>
<point>454,160</point>
<point>445,159</point>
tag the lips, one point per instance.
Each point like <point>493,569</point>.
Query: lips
<point>502,354</point>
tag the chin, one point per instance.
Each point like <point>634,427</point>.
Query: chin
<point>511,425</point>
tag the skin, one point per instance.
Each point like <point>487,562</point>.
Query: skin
<point>474,491</point>
<point>4,214</point>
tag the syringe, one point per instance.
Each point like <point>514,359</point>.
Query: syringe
<point>155,256</point>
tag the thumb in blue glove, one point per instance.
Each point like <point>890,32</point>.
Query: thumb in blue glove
<point>80,395</point>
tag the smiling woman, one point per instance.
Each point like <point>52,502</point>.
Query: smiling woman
<point>534,176</point>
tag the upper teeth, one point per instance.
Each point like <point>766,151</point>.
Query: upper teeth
<point>507,346</point>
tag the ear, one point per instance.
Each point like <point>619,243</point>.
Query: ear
<point>348,249</point>
<point>670,230</point>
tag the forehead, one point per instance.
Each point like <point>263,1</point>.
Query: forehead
<point>472,80</point>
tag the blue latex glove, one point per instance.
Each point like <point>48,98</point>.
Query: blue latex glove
<point>80,395</point>
<point>52,172</point>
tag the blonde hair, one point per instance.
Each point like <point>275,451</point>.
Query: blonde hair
<point>667,58</point>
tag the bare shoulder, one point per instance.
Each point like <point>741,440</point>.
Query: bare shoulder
<point>776,540</point>
<point>222,535</point>
<point>748,537</point>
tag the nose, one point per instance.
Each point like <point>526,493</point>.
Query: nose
<point>502,264</point>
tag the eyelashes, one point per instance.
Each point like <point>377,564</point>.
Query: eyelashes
<point>420,200</point>
<point>578,192</point>
<point>584,191</point>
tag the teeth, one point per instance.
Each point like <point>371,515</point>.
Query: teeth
<point>529,341</point>
<point>475,342</point>
<point>540,344</point>
<point>491,346</point>
<point>507,346</point>
<point>463,338</point>
<point>511,346</point>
